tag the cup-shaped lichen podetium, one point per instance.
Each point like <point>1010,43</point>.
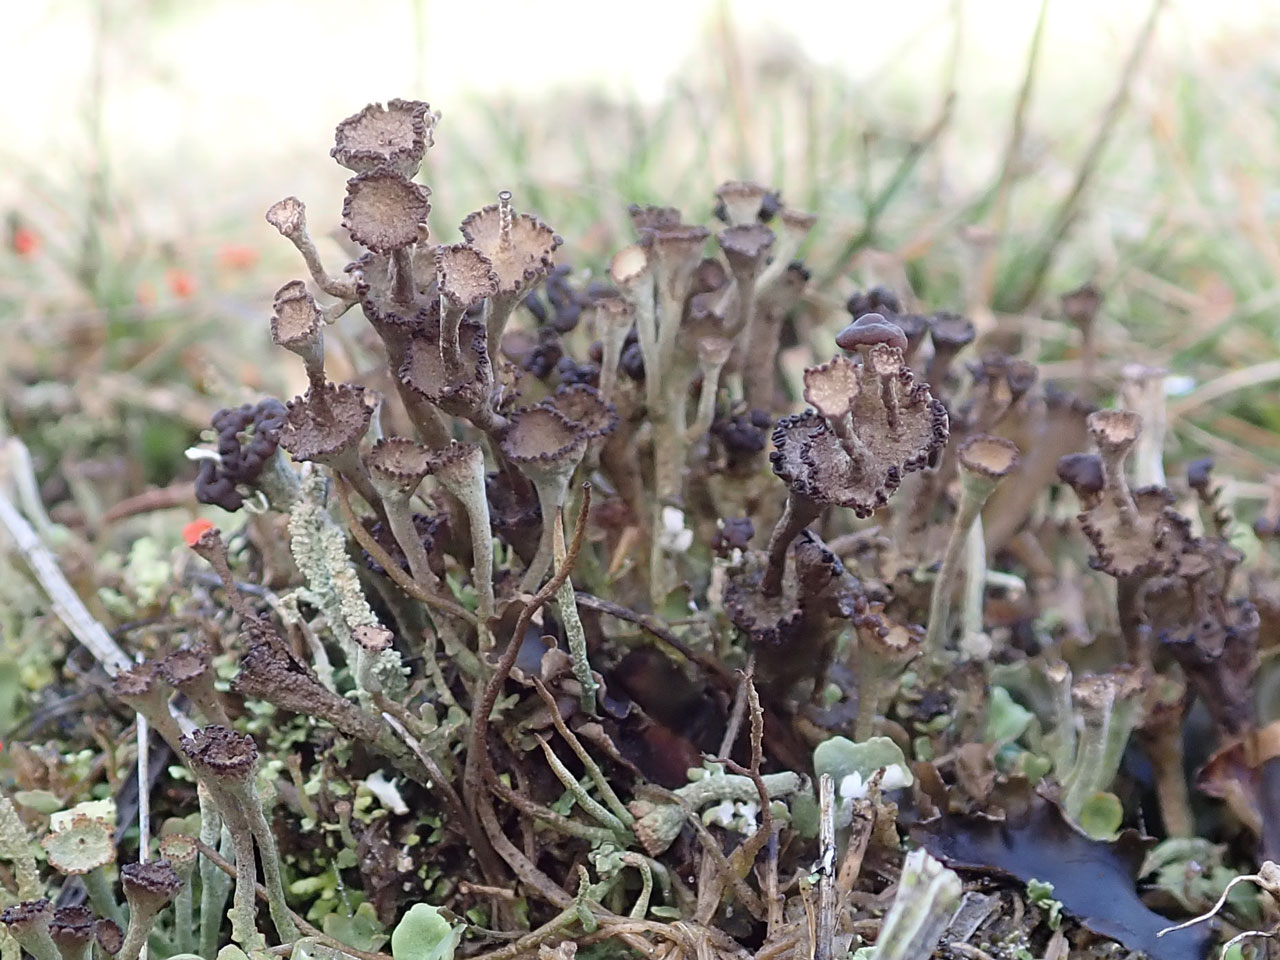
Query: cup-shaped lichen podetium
<point>674,254</point>
<point>385,212</point>
<point>871,424</point>
<point>520,248</point>
<point>949,333</point>
<point>225,763</point>
<point>465,278</point>
<point>546,447</point>
<point>190,671</point>
<point>465,390</point>
<point>1136,533</point>
<point>72,932</point>
<point>326,426</point>
<point>397,466</point>
<point>142,689</point>
<point>459,468</point>
<point>297,325</point>
<point>744,201</point>
<point>747,248</point>
<point>885,647</point>
<point>984,461</point>
<point>29,923</point>
<point>289,217</point>
<point>149,887</point>
<point>396,136</point>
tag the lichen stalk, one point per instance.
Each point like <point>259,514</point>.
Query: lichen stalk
<point>974,491</point>
<point>574,633</point>
<point>799,512</point>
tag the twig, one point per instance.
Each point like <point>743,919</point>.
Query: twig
<point>161,498</point>
<point>657,629</point>
<point>479,842</point>
<point>66,602</point>
<point>826,928</point>
<point>479,765</point>
<point>611,799</point>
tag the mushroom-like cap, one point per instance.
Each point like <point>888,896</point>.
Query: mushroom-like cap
<point>27,916</point>
<point>465,275</point>
<point>1200,475</point>
<point>877,299</point>
<point>72,929</point>
<point>746,247</point>
<point>289,216</point>
<point>1021,376</point>
<point>1081,305</point>
<point>988,456</point>
<point>399,463</point>
<point>150,886</point>
<point>295,317</point>
<point>584,408</point>
<point>951,332</point>
<point>458,465</point>
<point>396,136</point>
<point>677,249</point>
<point>629,266</point>
<point>317,428</point>
<point>743,201</point>
<point>772,623</point>
<point>520,248</point>
<point>1083,473</point>
<point>1152,542</point>
<point>896,422</point>
<point>186,666</point>
<point>645,217</point>
<point>832,388</point>
<point>542,435</point>
<point>108,934</point>
<point>797,223</point>
<point>221,752</point>
<point>871,329</point>
<point>383,210</point>
<point>82,844</point>
<point>612,312</point>
<point>180,850</point>
<point>390,317</point>
<point>1114,431</point>
<point>462,390</point>
<point>885,639</point>
<point>141,687</point>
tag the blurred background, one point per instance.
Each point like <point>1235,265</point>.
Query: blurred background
<point>977,155</point>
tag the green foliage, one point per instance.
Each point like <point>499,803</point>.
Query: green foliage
<point>422,934</point>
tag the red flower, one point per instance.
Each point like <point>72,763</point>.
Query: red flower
<point>182,283</point>
<point>193,531</point>
<point>24,241</point>
<point>237,256</point>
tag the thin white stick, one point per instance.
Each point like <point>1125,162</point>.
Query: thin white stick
<point>68,606</point>
<point>144,797</point>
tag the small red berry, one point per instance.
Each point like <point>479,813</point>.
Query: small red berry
<point>193,531</point>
